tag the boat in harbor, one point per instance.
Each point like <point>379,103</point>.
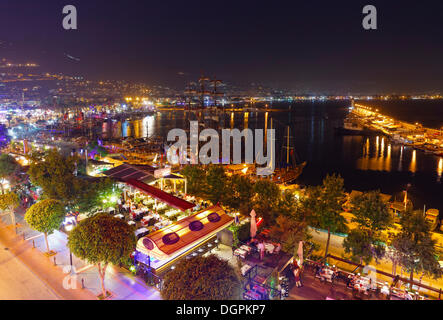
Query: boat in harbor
<point>288,170</point>
<point>352,128</point>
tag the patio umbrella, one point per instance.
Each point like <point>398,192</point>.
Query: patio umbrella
<point>300,252</point>
<point>253,224</point>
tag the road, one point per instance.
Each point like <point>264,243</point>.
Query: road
<point>18,282</point>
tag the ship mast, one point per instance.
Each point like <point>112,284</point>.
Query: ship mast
<point>288,146</point>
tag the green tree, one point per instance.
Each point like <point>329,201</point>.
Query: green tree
<point>55,174</point>
<point>362,246</point>
<point>102,240</point>
<point>289,205</point>
<point>370,211</point>
<point>202,278</point>
<point>239,194</point>
<point>266,198</point>
<point>414,247</point>
<point>98,196</point>
<point>9,202</point>
<point>372,216</point>
<point>45,216</point>
<point>196,179</point>
<point>289,232</point>
<point>8,169</point>
<point>216,181</point>
<point>325,203</point>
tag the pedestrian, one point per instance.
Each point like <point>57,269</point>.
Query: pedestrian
<point>277,249</point>
<point>261,249</point>
<point>297,274</point>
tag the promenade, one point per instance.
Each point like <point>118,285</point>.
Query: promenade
<point>40,277</point>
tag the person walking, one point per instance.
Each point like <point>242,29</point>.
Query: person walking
<point>261,249</point>
<point>297,274</point>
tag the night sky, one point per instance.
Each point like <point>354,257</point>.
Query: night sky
<point>304,45</point>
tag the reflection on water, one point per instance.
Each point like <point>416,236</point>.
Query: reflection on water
<point>440,168</point>
<point>375,157</point>
<point>413,165</point>
<point>377,154</point>
<point>136,128</point>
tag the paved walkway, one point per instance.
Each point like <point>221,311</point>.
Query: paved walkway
<point>19,282</point>
<point>64,281</point>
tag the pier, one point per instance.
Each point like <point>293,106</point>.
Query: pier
<point>414,135</point>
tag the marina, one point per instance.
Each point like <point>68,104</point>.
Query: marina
<point>413,135</point>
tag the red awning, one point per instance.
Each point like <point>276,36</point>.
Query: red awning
<point>160,195</point>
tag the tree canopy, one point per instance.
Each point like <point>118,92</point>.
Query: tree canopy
<point>8,168</point>
<point>325,204</point>
<point>46,215</point>
<point>239,193</point>
<point>370,211</point>
<point>414,247</point>
<point>55,174</point>
<point>289,233</point>
<point>202,278</point>
<point>372,216</point>
<point>196,179</point>
<point>9,200</point>
<point>266,197</point>
<point>102,239</point>
<point>98,196</point>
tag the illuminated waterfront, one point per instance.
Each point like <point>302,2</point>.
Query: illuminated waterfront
<point>365,162</point>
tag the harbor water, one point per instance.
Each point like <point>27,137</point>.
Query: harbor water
<point>365,163</point>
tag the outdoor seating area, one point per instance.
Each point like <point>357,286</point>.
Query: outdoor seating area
<point>356,286</point>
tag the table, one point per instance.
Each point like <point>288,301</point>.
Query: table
<point>260,290</point>
<point>139,211</point>
<point>363,283</point>
<point>269,247</point>
<point>246,248</point>
<point>171,213</point>
<point>251,295</point>
<point>146,219</point>
<point>327,274</point>
<point>245,269</point>
<point>240,253</point>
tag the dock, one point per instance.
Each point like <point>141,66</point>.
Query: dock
<point>429,140</point>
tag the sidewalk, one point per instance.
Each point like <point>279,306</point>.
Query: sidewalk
<point>64,280</point>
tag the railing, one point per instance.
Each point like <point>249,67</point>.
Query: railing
<point>154,281</point>
<point>149,277</point>
<point>251,282</point>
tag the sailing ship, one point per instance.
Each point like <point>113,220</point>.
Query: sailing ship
<point>287,169</point>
